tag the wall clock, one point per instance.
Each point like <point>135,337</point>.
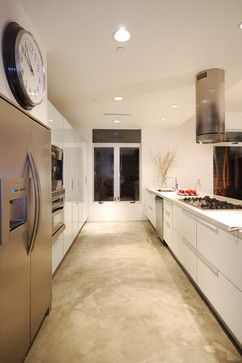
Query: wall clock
<point>23,66</point>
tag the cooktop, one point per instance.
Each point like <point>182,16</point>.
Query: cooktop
<point>210,203</point>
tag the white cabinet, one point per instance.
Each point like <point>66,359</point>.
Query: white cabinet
<point>75,176</point>
<point>150,208</point>
<point>222,249</point>
<point>223,295</point>
<point>167,222</point>
<point>68,234</point>
<point>185,253</point>
<point>185,223</point>
<point>57,252</point>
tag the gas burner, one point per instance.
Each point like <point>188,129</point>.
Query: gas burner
<point>210,203</point>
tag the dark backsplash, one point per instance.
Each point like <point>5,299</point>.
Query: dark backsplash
<point>227,171</point>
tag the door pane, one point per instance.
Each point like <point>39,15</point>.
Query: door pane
<point>129,173</point>
<point>103,173</point>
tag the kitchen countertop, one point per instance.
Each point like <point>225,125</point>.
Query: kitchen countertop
<point>220,217</point>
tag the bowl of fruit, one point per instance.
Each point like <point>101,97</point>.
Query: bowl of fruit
<point>187,192</point>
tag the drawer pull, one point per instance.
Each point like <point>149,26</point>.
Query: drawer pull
<point>188,214</point>
<point>211,226</point>
<point>234,229</point>
<point>150,207</point>
<point>167,213</point>
<point>209,265</point>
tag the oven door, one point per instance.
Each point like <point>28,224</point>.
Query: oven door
<point>57,219</point>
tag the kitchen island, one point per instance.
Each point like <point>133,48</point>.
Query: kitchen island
<point>202,243</point>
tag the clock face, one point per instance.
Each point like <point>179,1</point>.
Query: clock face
<point>23,66</point>
<point>29,67</point>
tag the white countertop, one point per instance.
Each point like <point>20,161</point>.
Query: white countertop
<point>223,218</point>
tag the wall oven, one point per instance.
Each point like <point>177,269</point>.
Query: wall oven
<point>58,200</point>
<point>56,167</point>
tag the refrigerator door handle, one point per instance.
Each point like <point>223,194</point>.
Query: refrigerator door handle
<point>36,201</point>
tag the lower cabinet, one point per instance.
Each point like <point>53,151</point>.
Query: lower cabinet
<point>150,208</point>
<point>223,296</point>
<point>212,257</point>
<point>73,224</point>
<point>185,253</point>
<point>167,222</point>
<point>57,252</point>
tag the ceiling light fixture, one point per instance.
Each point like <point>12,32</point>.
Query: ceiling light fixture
<point>174,106</point>
<point>118,98</point>
<point>116,121</point>
<point>122,35</point>
<point>240,25</point>
<point>162,119</point>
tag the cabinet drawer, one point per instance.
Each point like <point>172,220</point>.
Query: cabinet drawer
<point>185,224</point>
<point>57,252</point>
<point>150,208</point>
<point>167,211</point>
<point>223,296</point>
<point>167,230</point>
<point>185,253</point>
<point>222,249</point>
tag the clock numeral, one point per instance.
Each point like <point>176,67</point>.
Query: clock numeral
<point>22,71</point>
<point>38,68</point>
<point>26,84</point>
<point>35,57</point>
<point>20,55</point>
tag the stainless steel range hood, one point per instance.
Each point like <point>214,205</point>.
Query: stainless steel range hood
<point>210,114</point>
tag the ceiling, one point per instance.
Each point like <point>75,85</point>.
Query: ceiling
<point>171,41</point>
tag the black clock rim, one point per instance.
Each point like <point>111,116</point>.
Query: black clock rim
<point>8,51</point>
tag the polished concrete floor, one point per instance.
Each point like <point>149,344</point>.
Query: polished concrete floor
<point>120,297</point>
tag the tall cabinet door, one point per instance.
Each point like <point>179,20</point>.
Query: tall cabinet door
<point>41,274</point>
<point>14,260</point>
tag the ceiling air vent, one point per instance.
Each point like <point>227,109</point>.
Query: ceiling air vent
<point>210,117</point>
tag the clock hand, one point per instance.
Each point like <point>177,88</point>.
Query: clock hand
<point>28,60</point>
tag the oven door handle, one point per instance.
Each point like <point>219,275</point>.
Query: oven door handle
<point>36,183</point>
<point>58,209</point>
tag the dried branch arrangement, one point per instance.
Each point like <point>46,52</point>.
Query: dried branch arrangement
<point>162,163</point>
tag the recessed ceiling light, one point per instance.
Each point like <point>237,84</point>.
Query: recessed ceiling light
<point>174,106</point>
<point>122,35</point>
<point>162,119</point>
<point>116,121</point>
<point>118,98</point>
<point>240,25</point>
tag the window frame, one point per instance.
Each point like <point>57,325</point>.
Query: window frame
<point>116,189</point>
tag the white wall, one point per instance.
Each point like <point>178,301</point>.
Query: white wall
<point>193,164</point>
<point>11,10</point>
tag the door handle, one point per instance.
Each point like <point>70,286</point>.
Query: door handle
<point>36,183</point>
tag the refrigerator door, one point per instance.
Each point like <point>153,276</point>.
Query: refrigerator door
<point>40,251</point>
<point>14,260</point>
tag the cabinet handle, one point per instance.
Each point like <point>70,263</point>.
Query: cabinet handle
<point>207,263</point>
<point>167,213</point>
<point>211,226</point>
<point>234,229</point>
<point>150,207</point>
<point>168,224</point>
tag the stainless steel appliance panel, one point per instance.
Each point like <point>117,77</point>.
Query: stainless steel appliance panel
<point>14,260</point>
<point>25,238</point>
<point>159,216</point>
<point>210,113</point>
<point>41,275</point>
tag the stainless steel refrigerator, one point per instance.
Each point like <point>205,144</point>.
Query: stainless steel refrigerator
<point>25,230</point>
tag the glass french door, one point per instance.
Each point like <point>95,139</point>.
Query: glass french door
<point>116,172</point>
